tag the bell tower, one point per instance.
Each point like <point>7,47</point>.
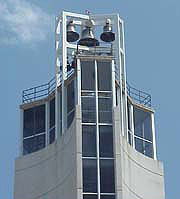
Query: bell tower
<point>87,134</point>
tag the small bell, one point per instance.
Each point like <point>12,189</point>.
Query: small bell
<point>72,35</point>
<point>108,35</point>
<point>88,38</point>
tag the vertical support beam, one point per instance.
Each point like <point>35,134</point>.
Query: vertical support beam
<point>78,83</point>
<point>118,62</point>
<point>57,69</point>
<point>21,132</point>
<point>153,136</point>
<point>97,130</point>
<point>113,85</point>
<point>132,124</point>
<point>64,74</point>
<point>47,111</point>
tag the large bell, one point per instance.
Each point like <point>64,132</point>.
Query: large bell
<point>88,38</point>
<point>108,35</point>
<point>72,35</point>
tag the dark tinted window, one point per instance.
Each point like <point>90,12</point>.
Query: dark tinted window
<point>107,197</point>
<point>90,196</point>
<point>33,144</point>
<point>39,119</point>
<point>142,124</point>
<point>52,135</point>
<point>52,112</point>
<point>106,141</point>
<point>104,76</point>
<point>88,109</point>
<point>149,149</point>
<point>87,75</point>
<point>107,176</point>
<point>139,145</point>
<point>70,96</point>
<point>70,103</point>
<point>60,112</point>
<point>89,175</point>
<point>89,141</point>
<point>144,147</point>
<point>105,110</point>
<point>34,121</point>
<point>148,127</point>
<point>70,118</point>
<point>29,120</point>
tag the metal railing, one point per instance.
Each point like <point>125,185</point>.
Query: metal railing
<point>42,91</point>
<point>138,96</point>
<point>38,92</point>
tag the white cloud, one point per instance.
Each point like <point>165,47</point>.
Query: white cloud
<point>22,21</point>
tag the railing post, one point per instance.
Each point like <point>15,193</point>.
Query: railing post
<point>48,87</point>
<point>34,93</point>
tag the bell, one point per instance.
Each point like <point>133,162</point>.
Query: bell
<point>88,38</point>
<point>72,35</point>
<point>108,35</point>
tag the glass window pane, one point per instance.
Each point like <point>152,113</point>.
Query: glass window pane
<point>70,118</point>
<point>139,145</point>
<point>60,113</point>
<point>106,141</point>
<point>149,149</point>
<point>70,96</point>
<point>33,144</point>
<point>52,112</point>
<point>138,122</point>
<point>88,109</point>
<point>105,110</point>
<point>90,175</point>
<point>40,119</point>
<point>129,138</point>
<point>90,196</point>
<point>128,114</point>
<point>89,141</point>
<point>28,122</point>
<point>104,76</point>
<point>143,124</point>
<point>107,176</point>
<point>107,196</point>
<point>52,135</point>
<point>148,127</point>
<point>87,75</point>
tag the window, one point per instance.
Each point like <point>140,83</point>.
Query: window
<point>52,121</point>
<point>106,141</point>
<point>33,144</point>
<point>104,76</point>
<point>87,75</point>
<point>70,103</point>
<point>143,132</point>
<point>34,129</point>
<point>107,176</point>
<point>88,109</point>
<point>107,196</point>
<point>90,175</point>
<point>105,109</point>
<point>97,131</point>
<point>90,196</point>
<point>34,121</point>
<point>89,140</point>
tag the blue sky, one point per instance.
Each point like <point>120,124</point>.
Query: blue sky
<point>27,57</point>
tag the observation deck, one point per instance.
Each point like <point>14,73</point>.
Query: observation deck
<point>42,91</point>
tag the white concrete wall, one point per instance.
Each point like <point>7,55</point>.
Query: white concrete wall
<point>138,177</point>
<point>53,172</point>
